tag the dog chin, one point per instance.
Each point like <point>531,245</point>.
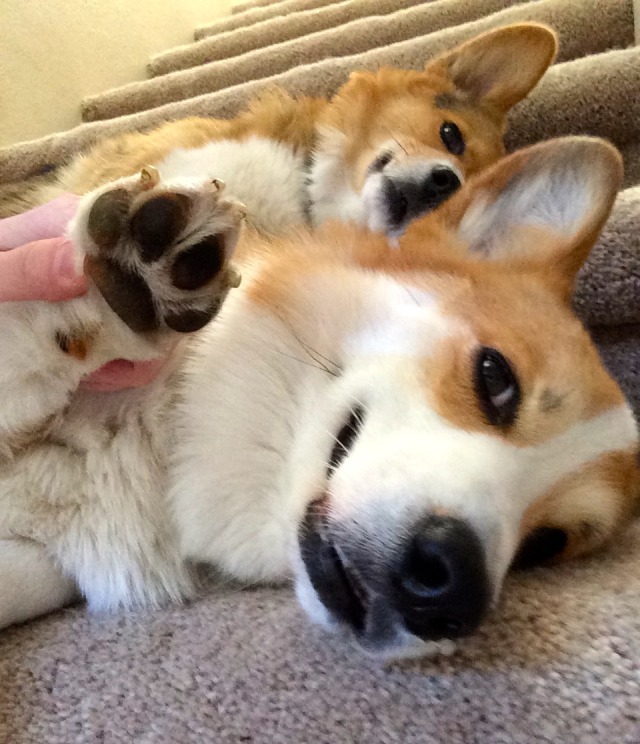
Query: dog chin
<point>388,644</point>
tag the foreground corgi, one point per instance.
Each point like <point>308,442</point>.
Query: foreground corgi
<point>390,146</point>
<point>388,427</point>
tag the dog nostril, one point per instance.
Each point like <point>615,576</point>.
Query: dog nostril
<point>426,574</point>
<point>442,586</point>
<point>444,179</point>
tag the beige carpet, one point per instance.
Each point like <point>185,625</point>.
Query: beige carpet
<point>293,25</point>
<point>576,20</point>
<point>251,4</point>
<point>559,661</point>
<point>260,13</point>
<point>558,664</point>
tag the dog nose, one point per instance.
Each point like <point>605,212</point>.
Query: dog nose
<point>409,196</point>
<point>443,587</point>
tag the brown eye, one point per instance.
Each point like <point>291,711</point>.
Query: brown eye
<point>496,387</point>
<point>452,138</point>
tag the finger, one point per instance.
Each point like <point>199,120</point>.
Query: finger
<point>47,221</point>
<point>44,270</point>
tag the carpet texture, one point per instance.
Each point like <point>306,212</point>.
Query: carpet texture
<point>251,4</point>
<point>259,13</point>
<point>576,21</point>
<point>290,26</point>
<point>558,661</point>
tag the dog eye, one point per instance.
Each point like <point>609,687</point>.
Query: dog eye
<point>496,387</point>
<point>384,158</point>
<point>452,138</point>
<point>346,437</point>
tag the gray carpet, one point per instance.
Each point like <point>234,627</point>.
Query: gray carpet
<point>557,664</point>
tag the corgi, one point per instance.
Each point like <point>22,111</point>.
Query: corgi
<point>360,419</point>
<point>389,146</point>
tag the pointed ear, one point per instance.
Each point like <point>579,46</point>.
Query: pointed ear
<point>541,208</point>
<point>500,67</point>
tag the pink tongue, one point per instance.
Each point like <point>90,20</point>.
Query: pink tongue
<point>121,374</point>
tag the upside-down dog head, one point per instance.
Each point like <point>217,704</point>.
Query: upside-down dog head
<point>395,143</point>
<point>473,422</point>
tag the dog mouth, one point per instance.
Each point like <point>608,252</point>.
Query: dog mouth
<point>333,576</point>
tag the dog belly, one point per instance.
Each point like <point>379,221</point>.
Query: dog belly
<point>267,176</point>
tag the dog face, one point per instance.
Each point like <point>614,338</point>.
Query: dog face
<point>394,144</point>
<point>472,422</point>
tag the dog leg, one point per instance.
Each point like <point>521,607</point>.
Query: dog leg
<point>30,583</point>
<point>158,255</point>
<point>82,476</point>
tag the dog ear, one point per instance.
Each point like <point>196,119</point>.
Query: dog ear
<point>500,67</point>
<point>541,208</point>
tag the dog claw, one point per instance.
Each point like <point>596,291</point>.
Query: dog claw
<point>149,177</point>
<point>218,184</point>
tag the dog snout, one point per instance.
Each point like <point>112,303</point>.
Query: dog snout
<point>409,195</point>
<point>435,587</point>
<point>443,589</point>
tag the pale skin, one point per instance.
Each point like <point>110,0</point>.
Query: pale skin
<point>36,263</point>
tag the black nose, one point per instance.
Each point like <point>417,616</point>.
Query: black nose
<point>409,196</point>
<point>442,585</point>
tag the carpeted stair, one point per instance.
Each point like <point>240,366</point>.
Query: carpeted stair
<point>558,662</point>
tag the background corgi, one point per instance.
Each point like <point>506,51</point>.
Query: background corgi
<point>388,147</point>
<point>360,418</point>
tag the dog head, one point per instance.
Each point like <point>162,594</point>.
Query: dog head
<point>472,422</point>
<point>395,143</point>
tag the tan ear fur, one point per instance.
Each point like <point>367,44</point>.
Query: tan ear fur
<point>500,67</point>
<point>541,208</point>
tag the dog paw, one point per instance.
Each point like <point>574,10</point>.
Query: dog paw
<point>159,253</point>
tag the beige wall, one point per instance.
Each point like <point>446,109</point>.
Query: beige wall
<point>54,52</point>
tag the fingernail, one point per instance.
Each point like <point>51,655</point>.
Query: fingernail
<point>63,261</point>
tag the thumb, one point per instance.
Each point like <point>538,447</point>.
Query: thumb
<point>43,270</point>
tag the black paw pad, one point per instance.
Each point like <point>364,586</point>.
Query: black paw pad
<point>158,222</point>
<point>108,217</point>
<point>199,264</point>
<point>127,294</point>
<point>190,321</point>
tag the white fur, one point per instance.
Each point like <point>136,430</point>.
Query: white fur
<point>250,169</point>
<point>331,192</point>
<point>219,458</point>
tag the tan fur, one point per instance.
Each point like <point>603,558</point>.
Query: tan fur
<point>535,286</point>
<point>590,506</point>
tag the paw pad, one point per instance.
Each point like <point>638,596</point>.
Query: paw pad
<point>160,255</point>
